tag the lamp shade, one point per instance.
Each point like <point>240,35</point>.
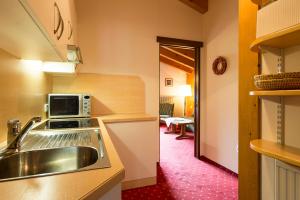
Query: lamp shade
<point>185,90</point>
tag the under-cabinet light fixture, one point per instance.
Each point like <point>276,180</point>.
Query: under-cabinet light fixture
<point>32,63</point>
<point>49,67</point>
<point>58,67</point>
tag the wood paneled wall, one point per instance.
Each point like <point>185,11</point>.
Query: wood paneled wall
<point>111,93</point>
<point>249,177</point>
<point>23,90</point>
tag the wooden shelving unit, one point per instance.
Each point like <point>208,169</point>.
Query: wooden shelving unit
<point>284,153</point>
<point>280,39</point>
<point>275,93</point>
<point>278,150</point>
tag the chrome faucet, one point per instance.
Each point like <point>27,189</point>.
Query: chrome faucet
<point>14,128</point>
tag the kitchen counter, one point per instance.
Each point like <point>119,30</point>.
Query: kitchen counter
<point>90,184</point>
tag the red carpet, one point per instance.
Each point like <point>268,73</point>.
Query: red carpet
<point>181,176</point>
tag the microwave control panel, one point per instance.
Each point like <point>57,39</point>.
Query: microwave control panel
<point>86,105</point>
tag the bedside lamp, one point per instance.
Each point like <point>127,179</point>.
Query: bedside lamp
<point>185,91</point>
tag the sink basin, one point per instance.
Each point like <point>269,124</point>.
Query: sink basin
<point>46,162</point>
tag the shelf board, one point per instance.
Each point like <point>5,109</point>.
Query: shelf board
<point>275,93</point>
<point>284,153</point>
<point>281,39</point>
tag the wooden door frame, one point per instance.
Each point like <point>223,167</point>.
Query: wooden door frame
<point>197,45</point>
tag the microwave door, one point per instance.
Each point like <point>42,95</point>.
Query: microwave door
<point>64,106</point>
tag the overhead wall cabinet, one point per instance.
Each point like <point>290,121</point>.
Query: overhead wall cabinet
<point>39,30</point>
<point>277,42</point>
<point>57,20</point>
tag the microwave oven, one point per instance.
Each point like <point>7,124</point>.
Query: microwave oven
<point>69,105</point>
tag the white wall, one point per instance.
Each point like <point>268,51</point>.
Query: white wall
<point>119,37</point>
<point>135,143</point>
<point>179,78</point>
<point>219,133</point>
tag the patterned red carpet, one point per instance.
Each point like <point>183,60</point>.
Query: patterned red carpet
<point>181,176</point>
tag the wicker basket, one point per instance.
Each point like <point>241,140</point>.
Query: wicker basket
<point>293,75</point>
<point>278,84</point>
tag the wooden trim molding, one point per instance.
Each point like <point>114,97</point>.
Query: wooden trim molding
<point>168,52</point>
<point>249,161</point>
<point>196,45</point>
<point>187,52</point>
<point>198,5</point>
<point>207,160</point>
<point>126,185</point>
<point>178,42</point>
<point>179,51</point>
<point>175,63</point>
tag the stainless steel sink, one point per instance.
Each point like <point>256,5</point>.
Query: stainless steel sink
<point>48,161</point>
<point>55,152</point>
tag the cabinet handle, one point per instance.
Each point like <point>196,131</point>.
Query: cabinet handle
<point>71,30</point>
<point>61,30</point>
<point>78,52</point>
<point>59,18</point>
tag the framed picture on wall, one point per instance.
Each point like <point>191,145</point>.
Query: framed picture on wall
<point>169,82</point>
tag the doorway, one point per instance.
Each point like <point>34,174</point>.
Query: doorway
<point>179,96</point>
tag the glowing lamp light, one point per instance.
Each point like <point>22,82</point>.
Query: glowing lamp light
<point>185,90</point>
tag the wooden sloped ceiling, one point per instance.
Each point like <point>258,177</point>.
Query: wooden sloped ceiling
<point>199,5</point>
<point>180,58</point>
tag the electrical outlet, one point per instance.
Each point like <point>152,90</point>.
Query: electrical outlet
<point>45,107</point>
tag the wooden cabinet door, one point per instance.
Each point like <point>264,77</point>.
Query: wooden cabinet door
<point>57,19</point>
<point>68,15</point>
<point>60,21</point>
<point>71,29</point>
<point>43,14</point>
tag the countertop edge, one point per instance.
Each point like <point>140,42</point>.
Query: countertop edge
<point>117,177</point>
<point>118,118</point>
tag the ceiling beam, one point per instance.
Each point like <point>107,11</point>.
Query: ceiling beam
<point>199,5</point>
<point>175,63</point>
<point>188,53</point>
<point>166,51</point>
